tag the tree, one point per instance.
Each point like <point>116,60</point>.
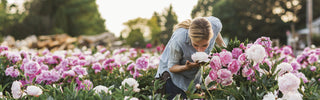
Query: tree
<point>155,27</point>
<point>169,22</point>
<point>135,38</point>
<point>74,17</point>
<point>255,18</point>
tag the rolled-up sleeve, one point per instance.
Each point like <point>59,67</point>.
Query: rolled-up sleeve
<point>175,54</point>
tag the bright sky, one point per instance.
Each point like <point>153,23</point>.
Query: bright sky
<point>116,12</point>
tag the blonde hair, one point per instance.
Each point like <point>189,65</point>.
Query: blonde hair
<point>199,28</point>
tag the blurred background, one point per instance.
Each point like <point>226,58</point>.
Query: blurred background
<point>67,24</point>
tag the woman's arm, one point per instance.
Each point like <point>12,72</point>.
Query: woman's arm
<point>181,68</point>
<point>220,41</point>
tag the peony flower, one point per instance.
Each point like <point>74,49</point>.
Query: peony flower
<point>200,57</point>
<point>142,63</point>
<point>213,75</point>
<point>313,68</point>
<point>302,76</point>
<point>227,81</point>
<point>130,98</point>
<point>132,83</point>
<point>31,67</point>
<point>295,65</point>
<point>246,72</point>
<point>292,95</point>
<point>236,52</point>
<point>288,83</point>
<point>16,89</point>
<point>286,50</point>
<point>34,91</point>
<point>256,53</point>
<point>97,67</point>
<point>68,73</point>
<point>207,81</point>
<point>313,58</point>
<point>225,57</point>
<point>234,66</point>
<point>149,45</point>
<point>80,70</point>
<point>269,96</point>
<point>12,72</point>
<point>284,67</point>
<point>100,88</point>
<point>86,84</point>
<point>224,74</point>
<point>215,63</point>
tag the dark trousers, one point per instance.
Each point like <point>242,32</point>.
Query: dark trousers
<point>172,90</point>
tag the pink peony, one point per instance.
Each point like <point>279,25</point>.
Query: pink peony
<point>246,72</point>
<point>234,66</point>
<point>215,63</point>
<point>142,63</point>
<point>236,52</point>
<point>149,45</point>
<point>213,75</point>
<point>97,67</point>
<point>225,57</point>
<point>31,67</point>
<point>12,72</point>
<point>313,68</point>
<point>287,50</point>
<point>295,65</point>
<point>68,73</point>
<point>313,58</point>
<point>80,70</point>
<point>224,74</point>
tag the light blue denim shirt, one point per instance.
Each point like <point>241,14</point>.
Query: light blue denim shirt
<point>179,50</point>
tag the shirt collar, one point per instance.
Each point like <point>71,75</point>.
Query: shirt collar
<point>188,40</point>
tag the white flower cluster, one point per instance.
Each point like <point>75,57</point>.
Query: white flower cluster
<point>100,88</point>
<point>16,89</point>
<point>132,83</point>
<point>256,53</point>
<point>34,91</point>
<point>200,57</point>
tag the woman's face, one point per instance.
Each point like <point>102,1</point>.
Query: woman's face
<point>201,45</point>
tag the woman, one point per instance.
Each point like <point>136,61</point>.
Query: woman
<point>198,35</point>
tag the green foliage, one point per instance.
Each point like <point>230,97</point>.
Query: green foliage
<point>243,19</point>
<point>43,17</point>
<point>155,27</point>
<point>135,38</point>
<point>170,20</point>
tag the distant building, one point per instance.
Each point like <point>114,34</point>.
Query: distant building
<point>315,28</point>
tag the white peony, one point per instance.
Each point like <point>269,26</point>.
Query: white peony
<point>288,83</point>
<point>128,98</point>
<point>207,81</point>
<point>269,96</point>
<point>100,88</point>
<point>132,83</point>
<point>16,89</point>
<point>200,57</point>
<point>292,95</point>
<point>256,53</point>
<point>284,67</point>
<point>34,90</point>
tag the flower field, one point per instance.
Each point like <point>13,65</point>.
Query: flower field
<point>242,70</point>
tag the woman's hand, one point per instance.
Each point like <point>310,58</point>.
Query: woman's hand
<point>181,68</point>
<point>190,65</point>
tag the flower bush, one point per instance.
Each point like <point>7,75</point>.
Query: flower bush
<point>242,70</point>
